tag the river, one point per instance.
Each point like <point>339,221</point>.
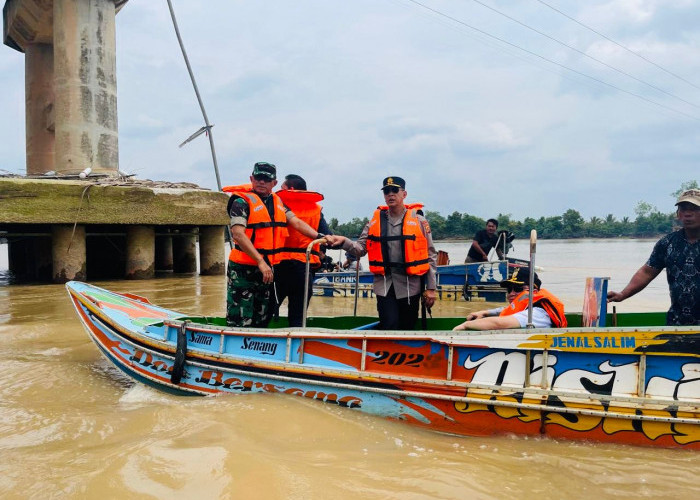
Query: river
<point>72,426</point>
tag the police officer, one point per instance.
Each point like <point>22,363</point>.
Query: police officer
<point>401,256</point>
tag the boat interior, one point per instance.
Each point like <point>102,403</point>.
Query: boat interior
<point>645,319</point>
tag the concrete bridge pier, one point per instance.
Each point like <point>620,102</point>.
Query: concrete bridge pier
<point>140,252</point>
<point>185,253</point>
<point>68,253</point>
<point>211,253</point>
<point>85,85</point>
<point>164,253</point>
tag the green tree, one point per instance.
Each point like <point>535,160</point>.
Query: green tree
<point>437,224</point>
<point>453,226</point>
<point>353,228</point>
<point>572,223</point>
<point>333,224</point>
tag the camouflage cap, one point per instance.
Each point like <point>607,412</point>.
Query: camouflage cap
<point>266,169</point>
<point>690,196</point>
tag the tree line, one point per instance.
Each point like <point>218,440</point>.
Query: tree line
<point>649,221</point>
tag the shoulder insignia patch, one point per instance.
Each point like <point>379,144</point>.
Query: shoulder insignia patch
<point>426,226</point>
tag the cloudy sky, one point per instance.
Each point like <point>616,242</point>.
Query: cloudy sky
<point>462,98</point>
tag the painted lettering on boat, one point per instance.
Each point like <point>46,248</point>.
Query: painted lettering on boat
<point>590,342</point>
<point>604,378</point>
<point>398,358</point>
<point>343,279</point>
<point>200,338</point>
<point>257,345</point>
<point>218,379</point>
<point>145,360</point>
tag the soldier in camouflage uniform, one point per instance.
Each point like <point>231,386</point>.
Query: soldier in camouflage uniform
<point>258,226</point>
<point>249,301</point>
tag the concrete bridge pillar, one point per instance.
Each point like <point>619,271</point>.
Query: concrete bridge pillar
<point>85,85</point>
<point>184,253</point>
<point>211,250</point>
<point>68,252</point>
<point>164,253</point>
<point>140,252</point>
<point>39,102</point>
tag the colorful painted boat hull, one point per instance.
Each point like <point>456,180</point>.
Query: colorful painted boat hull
<point>627,384</point>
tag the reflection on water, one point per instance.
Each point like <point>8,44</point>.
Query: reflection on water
<point>73,425</point>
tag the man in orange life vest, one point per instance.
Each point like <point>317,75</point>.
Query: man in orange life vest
<point>290,273</point>
<point>547,310</point>
<point>401,256</point>
<point>259,222</point>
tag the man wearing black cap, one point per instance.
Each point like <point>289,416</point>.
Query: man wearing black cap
<point>547,310</point>
<point>259,222</point>
<point>401,255</point>
<point>679,253</point>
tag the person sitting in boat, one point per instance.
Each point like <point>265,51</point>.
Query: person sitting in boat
<point>679,253</point>
<point>484,240</point>
<point>351,262</point>
<point>547,310</point>
<point>259,222</point>
<point>402,257</point>
<point>327,264</point>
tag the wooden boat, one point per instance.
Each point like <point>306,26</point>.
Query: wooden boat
<point>636,383</point>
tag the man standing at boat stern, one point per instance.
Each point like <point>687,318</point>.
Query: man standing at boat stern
<point>402,257</point>
<point>259,222</point>
<point>679,253</point>
<point>484,240</point>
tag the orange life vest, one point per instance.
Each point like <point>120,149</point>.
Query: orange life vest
<point>415,245</point>
<point>305,205</point>
<point>541,298</point>
<point>266,235</point>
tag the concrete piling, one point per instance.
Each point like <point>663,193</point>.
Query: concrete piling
<point>211,253</point>
<point>140,252</point>
<point>68,253</point>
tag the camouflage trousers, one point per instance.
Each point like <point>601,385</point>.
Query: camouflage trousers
<point>249,301</point>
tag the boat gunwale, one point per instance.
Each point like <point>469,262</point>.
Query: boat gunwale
<point>453,338</point>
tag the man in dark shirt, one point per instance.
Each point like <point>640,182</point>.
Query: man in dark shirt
<point>484,241</point>
<point>290,273</point>
<point>679,253</point>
